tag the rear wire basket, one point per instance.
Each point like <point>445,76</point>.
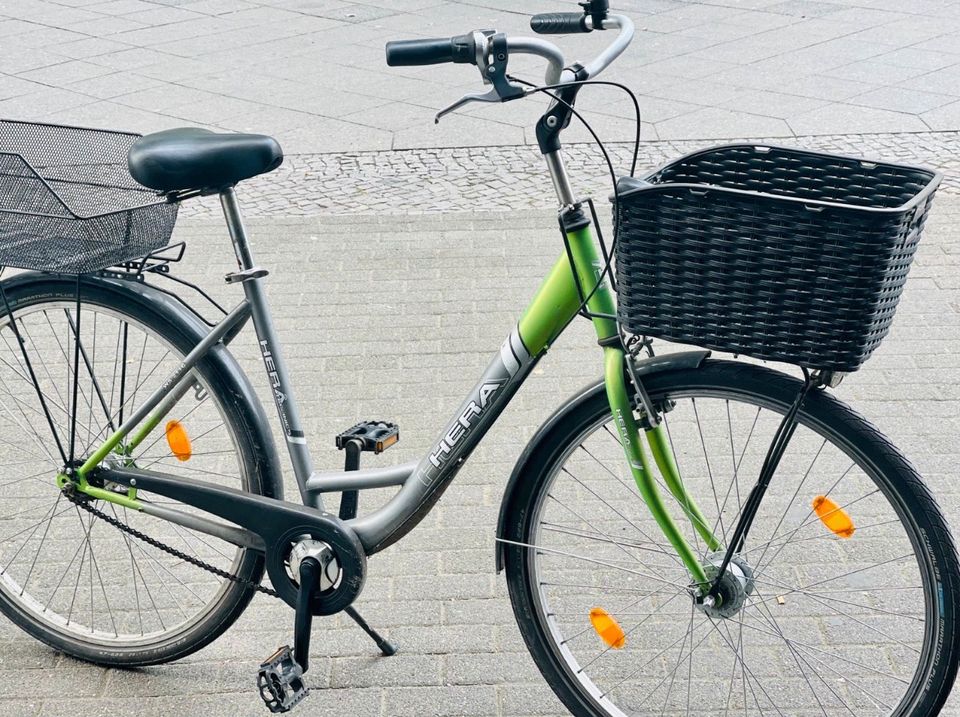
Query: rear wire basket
<point>68,202</point>
<point>775,253</point>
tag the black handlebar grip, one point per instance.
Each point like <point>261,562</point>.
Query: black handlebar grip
<point>459,49</point>
<point>559,23</point>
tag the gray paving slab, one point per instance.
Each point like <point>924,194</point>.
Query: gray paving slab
<point>461,213</point>
<point>436,594</point>
<point>838,67</point>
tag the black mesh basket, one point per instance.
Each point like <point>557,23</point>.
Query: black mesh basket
<point>774,253</point>
<point>68,202</point>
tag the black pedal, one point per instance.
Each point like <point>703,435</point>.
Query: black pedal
<point>280,681</point>
<point>376,436</point>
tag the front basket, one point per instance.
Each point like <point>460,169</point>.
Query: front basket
<point>68,202</point>
<point>775,253</point>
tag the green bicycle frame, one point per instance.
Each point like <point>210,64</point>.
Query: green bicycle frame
<point>556,303</point>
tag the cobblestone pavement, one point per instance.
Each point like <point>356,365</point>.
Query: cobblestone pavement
<point>502,178</point>
<point>393,317</point>
<point>313,71</point>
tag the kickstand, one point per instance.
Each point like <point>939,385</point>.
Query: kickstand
<point>386,647</point>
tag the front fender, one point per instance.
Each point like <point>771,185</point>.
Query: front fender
<point>656,364</point>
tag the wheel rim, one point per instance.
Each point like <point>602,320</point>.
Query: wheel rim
<point>61,567</point>
<point>831,674</point>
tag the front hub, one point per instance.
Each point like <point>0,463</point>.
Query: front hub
<point>733,587</point>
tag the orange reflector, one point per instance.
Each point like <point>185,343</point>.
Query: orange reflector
<point>834,517</point>
<point>179,441</point>
<point>607,628</point>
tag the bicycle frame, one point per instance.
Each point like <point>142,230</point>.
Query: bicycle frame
<point>556,303</point>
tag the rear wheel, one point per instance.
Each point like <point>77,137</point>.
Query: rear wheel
<point>851,614</point>
<point>66,577</point>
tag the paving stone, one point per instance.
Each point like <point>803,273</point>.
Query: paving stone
<point>395,238</point>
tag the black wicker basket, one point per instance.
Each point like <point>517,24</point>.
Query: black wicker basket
<point>779,254</point>
<point>68,202</point>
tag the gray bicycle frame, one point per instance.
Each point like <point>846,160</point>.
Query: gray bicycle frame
<point>421,482</point>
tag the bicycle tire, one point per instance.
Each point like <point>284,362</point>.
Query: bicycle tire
<point>161,315</point>
<point>895,476</point>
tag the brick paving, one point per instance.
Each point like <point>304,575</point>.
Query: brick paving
<point>313,71</point>
<point>369,249</point>
<point>402,354</point>
<point>505,178</point>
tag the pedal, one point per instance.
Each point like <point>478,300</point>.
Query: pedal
<point>280,681</point>
<point>376,436</point>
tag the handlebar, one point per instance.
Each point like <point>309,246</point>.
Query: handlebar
<point>559,23</point>
<point>475,47</point>
<point>459,49</point>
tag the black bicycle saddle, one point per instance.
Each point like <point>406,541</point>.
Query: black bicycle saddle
<point>194,158</point>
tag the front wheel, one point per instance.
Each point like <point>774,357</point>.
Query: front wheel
<point>843,600</point>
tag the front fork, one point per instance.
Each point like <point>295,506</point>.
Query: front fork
<point>557,302</point>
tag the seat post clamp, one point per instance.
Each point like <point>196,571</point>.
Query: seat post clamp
<point>237,277</point>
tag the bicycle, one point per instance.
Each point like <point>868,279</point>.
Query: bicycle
<point>777,555</point>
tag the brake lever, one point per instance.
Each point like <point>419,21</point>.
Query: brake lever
<point>491,96</point>
<point>494,72</point>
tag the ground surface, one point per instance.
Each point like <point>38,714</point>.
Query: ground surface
<point>313,71</point>
<point>396,275</point>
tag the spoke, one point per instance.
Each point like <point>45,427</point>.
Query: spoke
<point>811,649</point>
<point>563,553</point>
<point>150,561</point>
<point>736,471</point>
<point>806,519</point>
<point>604,538</point>
<point>43,539</point>
<point>642,667</point>
<point>794,497</point>
<point>86,546</point>
<point>139,572</point>
<point>713,486</point>
<point>36,527</point>
<point>826,596</point>
<point>23,374</point>
<point>673,672</point>
<point>103,589</point>
<point>603,588</point>
<point>602,500</point>
<point>30,431</point>
<point>797,657</point>
<point>743,666</point>
<point>701,550</point>
<point>33,376</point>
<point>33,526</point>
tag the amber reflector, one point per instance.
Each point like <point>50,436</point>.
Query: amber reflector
<point>833,516</point>
<point>179,441</point>
<point>607,628</point>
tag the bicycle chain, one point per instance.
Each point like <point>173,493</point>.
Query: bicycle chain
<point>124,528</point>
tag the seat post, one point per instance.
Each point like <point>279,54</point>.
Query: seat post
<point>238,233</point>
<point>251,277</point>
